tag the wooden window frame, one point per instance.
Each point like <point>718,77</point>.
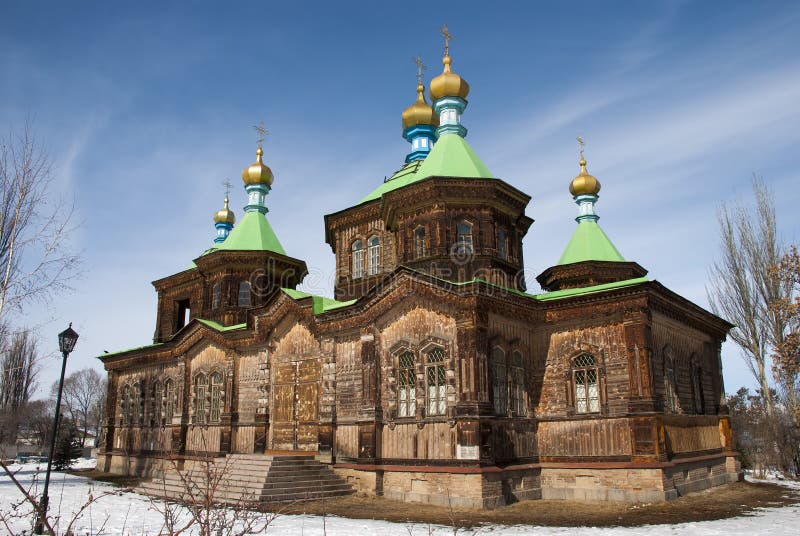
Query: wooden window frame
<point>576,372</point>
<point>406,385</point>
<point>436,377</point>
<point>420,247</point>
<point>217,405</point>
<point>373,255</point>
<point>465,243</point>
<point>357,259</point>
<point>244,297</point>
<point>500,396</point>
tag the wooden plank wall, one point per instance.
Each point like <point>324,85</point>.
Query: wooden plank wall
<point>606,437</point>
<point>434,441</point>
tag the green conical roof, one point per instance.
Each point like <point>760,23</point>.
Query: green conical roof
<point>589,243</point>
<point>253,233</point>
<point>451,156</point>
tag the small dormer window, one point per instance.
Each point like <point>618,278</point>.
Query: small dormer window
<point>374,259</point>
<point>244,294</point>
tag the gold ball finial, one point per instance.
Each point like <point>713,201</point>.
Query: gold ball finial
<point>225,214</point>
<point>258,172</point>
<point>448,84</point>
<point>419,113</point>
<point>584,183</point>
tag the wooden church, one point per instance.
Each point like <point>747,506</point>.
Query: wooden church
<point>433,375</point>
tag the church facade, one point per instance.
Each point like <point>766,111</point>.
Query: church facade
<point>433,375</point>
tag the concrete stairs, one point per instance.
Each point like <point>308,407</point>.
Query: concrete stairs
<point>241,479</point>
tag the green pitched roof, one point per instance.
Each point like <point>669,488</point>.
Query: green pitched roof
<point>253,233</point>
<point>451,156</point>
<point>320,304</point>
<point>589,243</point>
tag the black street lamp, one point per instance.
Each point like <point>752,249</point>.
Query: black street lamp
<point>66,343</point>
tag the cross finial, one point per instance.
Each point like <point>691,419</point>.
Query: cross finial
<point>447,38</point>
<point>227,185</point>
<point>261,132</point>
<point>581,145</point>
<point>420,67</point>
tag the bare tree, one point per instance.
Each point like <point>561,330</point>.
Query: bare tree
<point>36,261</point>
<point>84,392</point>
<point>19,364</point>
<point>744,283</point>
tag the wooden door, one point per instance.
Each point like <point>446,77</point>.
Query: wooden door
<point>296,405</point>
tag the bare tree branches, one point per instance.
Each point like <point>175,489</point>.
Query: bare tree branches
<point>18,369</point>
<point>84,396</point>
<point>743,283</point>
<point>36,261</point>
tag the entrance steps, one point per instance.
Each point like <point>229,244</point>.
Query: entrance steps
<point>246,479</point>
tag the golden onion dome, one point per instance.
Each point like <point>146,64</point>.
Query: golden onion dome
<point>420,113</point>
<point>257,172</point>
<point>448,84</point>
<point>225,214</point>
<point>584,184</point>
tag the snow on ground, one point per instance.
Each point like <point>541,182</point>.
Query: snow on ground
<point>131,514</point>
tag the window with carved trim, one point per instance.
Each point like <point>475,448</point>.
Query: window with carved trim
<point>216,295</point>
<point>697,386</point>
<point>464,246</point>
<point>200,393</point>
<point>125,406</point>
<point>435,380</point>
<point>216,397</point>
<point>245,299</point>
<point>374,255</point>
<point>156,402</point>
<point>420,249</point>
<point>357,259</point>
<point>169,401</point>
<point>502,243</point>
<point>499,381</point>
<point>519,406</point>
<point>136,404</point>
<point>407,388</point>
<point>671,401</point>
<point>586,382</point>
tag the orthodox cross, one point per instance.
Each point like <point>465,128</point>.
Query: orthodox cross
<point>447,38</point>
<point>420,67</point>
<point>227,185</point>
<point>261,132</point>
<point>581,144</point>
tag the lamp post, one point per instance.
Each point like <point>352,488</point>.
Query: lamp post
<point>66,343</point>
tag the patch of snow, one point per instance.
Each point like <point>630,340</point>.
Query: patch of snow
<point>127,513</point>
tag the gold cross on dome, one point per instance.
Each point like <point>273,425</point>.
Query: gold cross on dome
<point>227,185</point>
<point>261,132</point>
<point>420,67</point>
<point>447,38</point>
<point>581,145</point>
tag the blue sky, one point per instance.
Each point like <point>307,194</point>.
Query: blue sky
<point>146,109</point>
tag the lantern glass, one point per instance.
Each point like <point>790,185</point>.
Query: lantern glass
<point>67,340</point>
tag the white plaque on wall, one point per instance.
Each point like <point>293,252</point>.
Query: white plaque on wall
<point>468,452</point>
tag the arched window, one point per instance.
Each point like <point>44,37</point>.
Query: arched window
<point>407,391</point>
<point>169,401</point>
<point>671,402</point>
<point>502,243</point>
<point>435,379</point>
<point>156,404</point>
<point>216,397</point>
<point>586,379</point>
<point>499,381</point>
<point>420,249</point>
<point>518,406</point>
<point>216,295</point>
<point>244,294</point>
<point>125,406</point>
<point>374,258</point>
<point>200,392</point>
<point>358,259</point>
<point>464,239</point>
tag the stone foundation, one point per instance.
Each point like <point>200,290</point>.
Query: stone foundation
<point>460,489</point>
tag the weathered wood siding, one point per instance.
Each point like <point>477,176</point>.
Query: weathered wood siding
<point>606,437</point>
